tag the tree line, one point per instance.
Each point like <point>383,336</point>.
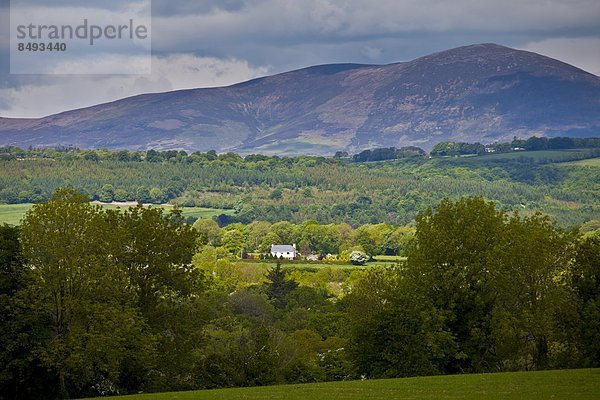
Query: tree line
<point>311,238</point>
<point>99,302</point>
<point>303,188</point>
<point>533,143</point>
<point>482,291</point>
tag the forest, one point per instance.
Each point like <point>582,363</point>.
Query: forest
<point>113,301</point>
<point>354,190</point>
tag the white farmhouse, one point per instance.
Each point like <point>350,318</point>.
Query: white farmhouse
<point>283,251</point>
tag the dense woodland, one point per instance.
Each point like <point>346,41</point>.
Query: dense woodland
<point>334,241</point>
<point>297,189</point>
<point>99,302</point>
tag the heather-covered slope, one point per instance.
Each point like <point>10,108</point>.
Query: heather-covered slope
<point>481,93</point>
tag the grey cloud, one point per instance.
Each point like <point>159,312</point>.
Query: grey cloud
<point>104,4</point>
<point>279,35</point>
<point>271,26</point>
<point>170,8</point>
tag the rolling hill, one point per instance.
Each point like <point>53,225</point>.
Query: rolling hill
<point>483,92</point>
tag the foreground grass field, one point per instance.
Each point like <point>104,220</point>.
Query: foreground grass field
<point>13,213</point>
<point>566,384</point>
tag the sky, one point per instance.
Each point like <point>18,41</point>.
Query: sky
<point>207,43</point>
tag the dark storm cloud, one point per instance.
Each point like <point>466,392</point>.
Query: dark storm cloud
<point>291,34</point>
<point>254,37</point>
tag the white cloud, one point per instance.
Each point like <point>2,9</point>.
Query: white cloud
<point>372,53</point>
<point>583,52</point>
<point>54,94</point>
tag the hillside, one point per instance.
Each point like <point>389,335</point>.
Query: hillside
<point>480,93</point>
<point>298,189</point>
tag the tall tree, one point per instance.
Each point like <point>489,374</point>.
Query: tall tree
<point>58,241</point>
<point>279,286</point>
<point>450,259</point>
<point>78,285</point>
<point>585,280</point>
<point>22,375</point>
<point>528,267</point>
<point>393,327</point>
<point>155,253</point>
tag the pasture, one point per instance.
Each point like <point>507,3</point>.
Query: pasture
<point>590,162</point>
<point>540,156</point>
<point>308,266</point>
<point>582,384</point>
<point>13,213</point>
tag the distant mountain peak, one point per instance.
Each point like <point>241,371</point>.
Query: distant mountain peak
<point>480,92</point>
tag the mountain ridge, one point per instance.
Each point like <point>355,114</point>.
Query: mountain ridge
<point>482,92</point>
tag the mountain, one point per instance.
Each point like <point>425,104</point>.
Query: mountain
<point>483,92</point>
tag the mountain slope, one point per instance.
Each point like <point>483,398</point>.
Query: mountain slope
<point>481,93</point>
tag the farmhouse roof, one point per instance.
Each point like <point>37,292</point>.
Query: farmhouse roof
<point>282,248</point>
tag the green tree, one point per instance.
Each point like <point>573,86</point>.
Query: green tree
<point>398,241</point>
<point>234,241</point>
<point>22,330</point>
<point>276,194</point>
<point>77,283</point>
<point>585,281</point>
<point>270,239</point>
<point>208,231</point>
<point>500,283</point>
<point>106,193</point>
<point>528,267</point>
<point>155,251</point>
<point>450,259</point>
<point>394,330</point>
<point>286,231</point>
<point>120,195</point>
<point>319,238</point>
<point>91,155</point>
<point>58,242</point>
<point>258,230</point>
<point>156,195</point>
<point>372,238</point>
<point>279,286</point>
<point>358,257</point>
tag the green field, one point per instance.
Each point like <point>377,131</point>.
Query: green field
<point>390,258</point>
<point>201,212</point>
<point>13,213</point>
<point>590,162</point>
<point>565,384</point>
<point>311,265</point>
<point>556,155</point>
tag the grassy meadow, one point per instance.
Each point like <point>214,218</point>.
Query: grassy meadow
<point>12,214</point>
<point>378,261</point>
<point>590,162</point>
<point>582,384</point>
<point>539,155</point>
